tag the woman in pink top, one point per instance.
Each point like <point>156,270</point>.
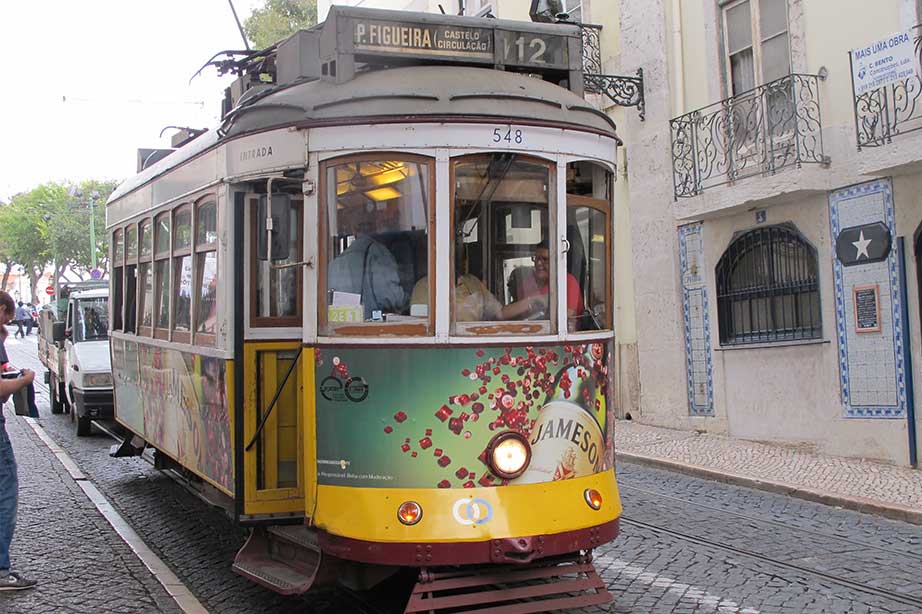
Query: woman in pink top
<point>535,290</point>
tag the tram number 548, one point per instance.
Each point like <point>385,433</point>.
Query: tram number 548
<point>508,135</point>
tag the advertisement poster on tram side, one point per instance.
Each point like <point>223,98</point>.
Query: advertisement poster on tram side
<point>182,400</point>
<point>423,418</point>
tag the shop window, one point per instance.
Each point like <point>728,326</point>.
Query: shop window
<point>206,271</point>
<point>378,246</point>
<point>504,260</point>
<point>768,288</point>
<point>182,273</point>
<point>161,280</point>
<point>589,275</point>
<point>118,262</point>
<point>277,300</point>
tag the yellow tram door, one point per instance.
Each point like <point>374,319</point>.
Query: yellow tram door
<point>274,431</point>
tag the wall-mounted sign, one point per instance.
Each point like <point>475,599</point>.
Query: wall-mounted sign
<point>885,61</point>
<point>863,244</point>
<point>866,300</point>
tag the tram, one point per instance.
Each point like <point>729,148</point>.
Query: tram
<point>373,310</point>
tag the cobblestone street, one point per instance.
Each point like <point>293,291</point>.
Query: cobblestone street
<point>687,545</point>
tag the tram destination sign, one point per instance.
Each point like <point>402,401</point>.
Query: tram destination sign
<point>422,39</point>
<point>460,43</point>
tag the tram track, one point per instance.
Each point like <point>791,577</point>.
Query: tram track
<point>832,536</point>
<point>902,598</point>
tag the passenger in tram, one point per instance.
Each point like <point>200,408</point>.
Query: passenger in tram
<point>368,268</point>
<point>475,303</point>
<point>535,289</point>
<point>473,300</point>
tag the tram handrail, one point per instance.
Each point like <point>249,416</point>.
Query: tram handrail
<point>275,398</point>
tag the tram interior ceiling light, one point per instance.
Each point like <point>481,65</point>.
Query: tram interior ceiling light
<point>381,194</point>
<point>508,454</point>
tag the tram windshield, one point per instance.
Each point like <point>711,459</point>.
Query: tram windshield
<point>92,321</point>
<point>504,264</point>
<point>378,243</point>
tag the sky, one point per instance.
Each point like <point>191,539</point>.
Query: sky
<point>88,82</point>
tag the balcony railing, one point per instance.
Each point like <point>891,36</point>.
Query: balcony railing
<point>623,91</point>
<point>888,112</point>
<point>758,132</point>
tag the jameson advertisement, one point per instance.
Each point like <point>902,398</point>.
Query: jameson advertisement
<point>177,401</point>
<point>422,418</point>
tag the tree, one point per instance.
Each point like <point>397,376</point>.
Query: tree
<point>279,19</point>
<point>51,223</point>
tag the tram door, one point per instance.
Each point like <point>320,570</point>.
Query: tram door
<point>275,402</point>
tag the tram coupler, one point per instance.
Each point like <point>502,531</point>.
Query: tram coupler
<point>131,446</point>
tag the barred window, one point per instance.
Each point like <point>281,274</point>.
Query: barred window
<point>768,288</point>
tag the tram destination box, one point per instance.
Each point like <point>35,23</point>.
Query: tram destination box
<point>351,37</point>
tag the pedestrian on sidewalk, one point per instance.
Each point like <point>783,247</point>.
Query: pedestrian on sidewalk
<point>20,316</point>
<point>9,481</point>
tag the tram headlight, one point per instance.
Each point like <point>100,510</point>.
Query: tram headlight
<point>509,455</point>
<point>593,498</point>
<point>409,513</point>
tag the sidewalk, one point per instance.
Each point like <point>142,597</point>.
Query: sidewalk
<point>862,485</point>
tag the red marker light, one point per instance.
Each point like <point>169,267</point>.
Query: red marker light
<point>593,498</point>
<point>409,513</point>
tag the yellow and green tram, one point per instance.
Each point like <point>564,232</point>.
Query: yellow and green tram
<point>373,309</point>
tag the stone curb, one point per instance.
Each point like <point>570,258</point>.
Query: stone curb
<point>858,504</point>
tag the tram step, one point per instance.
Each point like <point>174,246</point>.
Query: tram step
<point>282,559</point>
<point>544,586</point>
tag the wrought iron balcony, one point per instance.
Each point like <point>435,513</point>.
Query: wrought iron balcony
<point>888,112</point>
<point>756,133</point>
<point>623,91</point>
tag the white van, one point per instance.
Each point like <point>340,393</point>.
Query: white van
<point>77,358</point>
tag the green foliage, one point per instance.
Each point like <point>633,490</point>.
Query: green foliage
<point>279,19</point>
<point>51,222</point>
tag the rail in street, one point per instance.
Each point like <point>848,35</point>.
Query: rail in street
<point>687,545</point>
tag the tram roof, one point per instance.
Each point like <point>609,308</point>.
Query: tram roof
<point>406,94</point>
<point>418,92</point>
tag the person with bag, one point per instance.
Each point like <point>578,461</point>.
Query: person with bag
<point>9,481</point>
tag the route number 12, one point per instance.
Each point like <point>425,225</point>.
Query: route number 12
<point>508,135</point>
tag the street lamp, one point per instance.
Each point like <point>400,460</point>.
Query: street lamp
<point>92,197</point>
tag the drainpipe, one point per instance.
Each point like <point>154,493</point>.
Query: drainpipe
<point>907,356</point>
<point>678,60</point>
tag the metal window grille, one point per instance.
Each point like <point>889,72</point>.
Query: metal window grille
<point>768,288</point>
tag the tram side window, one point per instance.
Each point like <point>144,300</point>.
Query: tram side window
<point>206,269</point>
<point>277,300</point>
<point>504,264</point>
<point>145,281</point>
<point>182,273</point>
<point>131,278</point>
<point>589,235</point>
<point>377,247</point>
<point>161,303</point>
<point>118,260</point>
